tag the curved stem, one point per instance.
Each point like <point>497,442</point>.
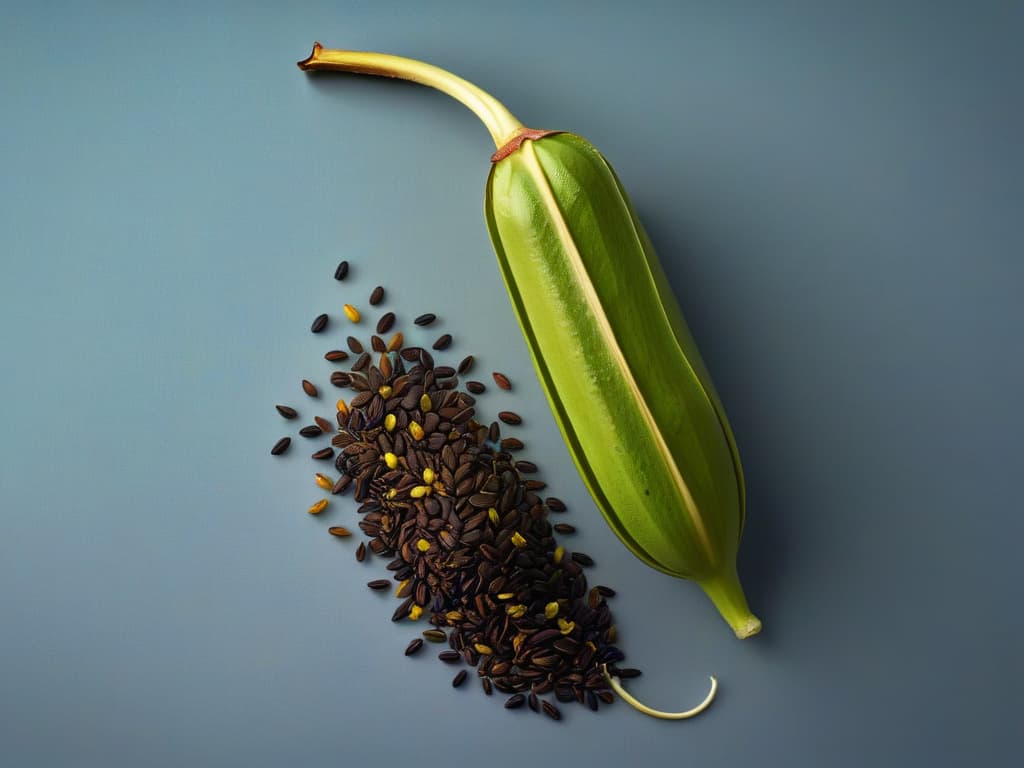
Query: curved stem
<point>501,124</point>
<point>639,705</point>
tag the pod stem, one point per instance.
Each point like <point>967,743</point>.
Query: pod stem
<point>727,595</point>
<point>640,706</point>
<point>500,123</point>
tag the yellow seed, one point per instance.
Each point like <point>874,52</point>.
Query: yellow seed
<point>559,553</point>
<point>415,430</point>
<point>518,540</point>
<point>515,611</point>
<point>565,627</point>
<point>323,481</point>
<point>454,616</point>
<point>518,640</point>
<point>415,612</point>
<point>352,313</point>
<point>319,507</point>
<point>428,476</point>
<point>400,590</point>
<point>389,422</point>
<point>492,513</point>
<point>484,650</point>
<point>384,391</point>
<point>419,491</point>
<point>506,595</point>
<point>396,342</point>
<point>342,407</point>
<point>422,545</point>
<point>391,460</point>
<point>425,402</point>
<point>591,646</point>
<point>392,492</point>
<point>551,610</point>
<point>338,531</point>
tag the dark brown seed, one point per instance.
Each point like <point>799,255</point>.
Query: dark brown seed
<point>387,320</point>
<point>582,558</point>
<point>564,528</point>
<point>466,364</point>
<point>341,379</point>
<point>343,482</point>
<point>354,344</point>
<point>485,682</point>
<point>416,644</point>
<point>323,454</point>
<point>476,387</point>
<point>339,531</point>
<point>342,271</point>
<point>605,591</point>
<point>551,710</point>
<point>502,381</point>
<point>336,356</point>
<point>555,505</point>
<point>377,344</point>
<point>606,697</point>
<point>377,296</point>
<point>526,467</point>
<point>533,701</point>
<point>287,411</point>
<point>311,431</point>
<point>627,673</point>
<point>319,324</point>
<point>592,700</point>
<point>425,319</point>
<point>443,342</point>
<point>511,444</point>
<point>361,362</point>
<point>435,635</point>
<point>280,446</point>
<point>449,657</point>
<point>323,423</point>
<point>309,388</point>
<point>378,584</point>
<point>510,418</point>
<point>361,552</point>
<point>515,702</point>
<point>459,678</point>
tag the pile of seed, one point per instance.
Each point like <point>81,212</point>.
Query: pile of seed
<point>464,531</point>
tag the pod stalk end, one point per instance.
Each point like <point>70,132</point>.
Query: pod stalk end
<point>727,595</point>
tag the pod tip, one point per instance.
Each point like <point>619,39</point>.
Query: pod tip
<point>306,62</point>
<point>748,628</point>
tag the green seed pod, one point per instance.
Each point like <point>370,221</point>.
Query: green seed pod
<point>621,371</point>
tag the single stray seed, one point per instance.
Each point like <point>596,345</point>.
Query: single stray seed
<point>466,364</point>
<point>449,657</point>
<point>339,531</point>
<point>413,647</point>
<point>435,635</point>
<point>354,344</point>
<point>551,710</point>
<point>280,446</point>
<point>323,481</point>
<point>309,388</point>
<point>361,552</point>
<point>443,342</point>
<point>323,423</point>
<point>425,319</point>
<point>476,387</point>
<point>319,507</point>
<point>287,411</point>
<point>311,431</point>
<point>564,528</point>
<point>377,296</point>
<point>510,418</point>
<point>336,355</point>
<point>319,323</point>
<point>502,380</point>
<point>378,584</point>
<point>386,321</point>
<point>352,313</point>
<point>342,271</point>
<point>459,678</point>
<point>515,702</point>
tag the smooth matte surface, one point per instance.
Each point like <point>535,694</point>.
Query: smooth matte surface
<point>836,193</point>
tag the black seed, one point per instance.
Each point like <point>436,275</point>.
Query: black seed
<point>526,467</point>
<point>286,411</point>
<point>555,505</point>
<point>416,644</point>
<point>323,454</point>
<point>459,678</point>
<point>319,324</point>
<point>485,682</point>
<point>280,446</point>
<point>551,710</point>
<point>354,344</point>
<point>466,364</point>
<point>476,387</point>
<point>510,418</point>
<point>515,702</point>
<point>378,584</point>
<point>377,296</point>
<point>449,657</point>
<point>342,271</point>
<point>387,320</point>
<point>564,528</point>
<point>309,388</point>
<point>311,431</point>
<point>443,342</point>
<point>502,380</point>
<point>533,701</point>
<point>425,319</point>
<point>582,559</point>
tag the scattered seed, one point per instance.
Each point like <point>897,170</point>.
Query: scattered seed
<point>502,381</point>
<point>555,505</point>
<point>287,411</point>
<point>378,584</point>
<point>533,701</point>
<point>551,710</point>
<point>339,531</point>
<point>511,444</point>
<point>487,685</point>
<point>323,481</point>
<point>319,324</point>
<point>509,417</point>
<point>435,635</point>
<point>352,313</point>
<point>342,271</point>
<point>476,387</point>
<point>449,657</point>
<point>361,552</point>
<point>395,342</point>
<point>280,446</point>
<point>443,342</point>
<point>324,424</point>
<point>425,319</point>
<point>318,507</point>
<point>582,558</point>
<point>564,528</point>
<point>311,431</point>
<point>416,644</point>
<point>336,356</point>
<point>377,296</point>
<point>354,344</point>
<point>459,679</point>
<point>387,320</point>
<point>309,388</point>
<point>605,591</point>
<point>515,702</point>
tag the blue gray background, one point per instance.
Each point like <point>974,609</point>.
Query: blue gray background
<point>836,193</point>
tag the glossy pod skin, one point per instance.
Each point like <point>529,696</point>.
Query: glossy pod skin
<point>621,371</point>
